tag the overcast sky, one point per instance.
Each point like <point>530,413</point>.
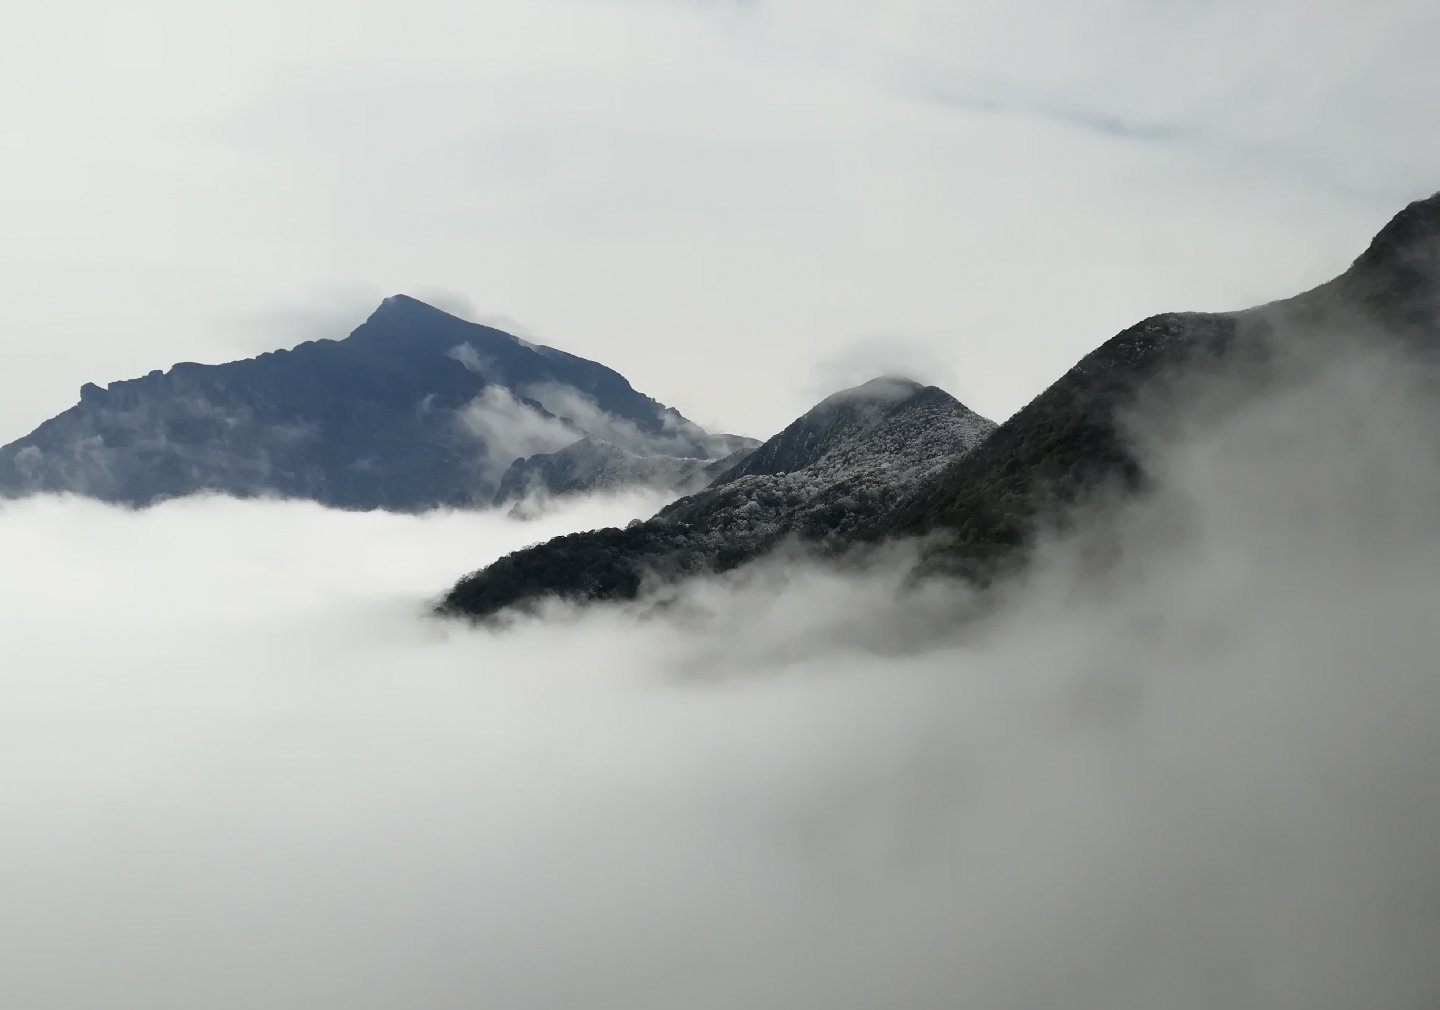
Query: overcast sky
<point>739,205</point>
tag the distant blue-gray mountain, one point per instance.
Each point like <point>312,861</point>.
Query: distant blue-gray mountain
<point>415,409</point>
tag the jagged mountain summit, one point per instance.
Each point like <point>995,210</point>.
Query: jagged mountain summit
<point>832,472</point>
<point>415,409</point>
<point>981,496</point>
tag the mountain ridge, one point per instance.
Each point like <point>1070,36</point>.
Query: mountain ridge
<point>981,509</point>
<point>822,477</point>
<point>1071,441</point>
<point>414,409</point>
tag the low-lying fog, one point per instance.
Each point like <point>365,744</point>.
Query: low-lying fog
<point>240,768</point>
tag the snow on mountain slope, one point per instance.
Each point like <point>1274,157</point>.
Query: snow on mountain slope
<point>834,470</point>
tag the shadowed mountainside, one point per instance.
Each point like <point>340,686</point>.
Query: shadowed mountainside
<point>1077,440</point>
<point>415,409</point>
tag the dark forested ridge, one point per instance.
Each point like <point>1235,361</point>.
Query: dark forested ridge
<point>414,409</point>
<point>828,476</point>
<point>979,495</point>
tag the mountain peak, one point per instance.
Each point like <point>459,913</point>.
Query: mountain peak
<point>403,322</point>
<point>1414,231</point>
<point>830,475</point>
<point>881,389</point>
<point>404,307</point>
<point>416,408</point>
<point>1395,277</point>
<point>884,386</point>
<point>838,421</point>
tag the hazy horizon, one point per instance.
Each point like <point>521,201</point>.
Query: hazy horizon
<point>805,194</point>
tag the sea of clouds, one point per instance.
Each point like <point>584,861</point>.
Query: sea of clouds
<point>240,765</point>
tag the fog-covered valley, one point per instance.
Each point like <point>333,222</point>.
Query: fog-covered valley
<point>244,766</point>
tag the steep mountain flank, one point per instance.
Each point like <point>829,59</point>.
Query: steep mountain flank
<point>1076,439</point>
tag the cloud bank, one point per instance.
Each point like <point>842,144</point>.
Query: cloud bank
<point>242,769</point>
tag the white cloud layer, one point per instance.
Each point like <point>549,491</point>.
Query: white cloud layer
<point>241,770</point>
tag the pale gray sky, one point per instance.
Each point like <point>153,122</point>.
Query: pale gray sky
<point>738,205</point>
